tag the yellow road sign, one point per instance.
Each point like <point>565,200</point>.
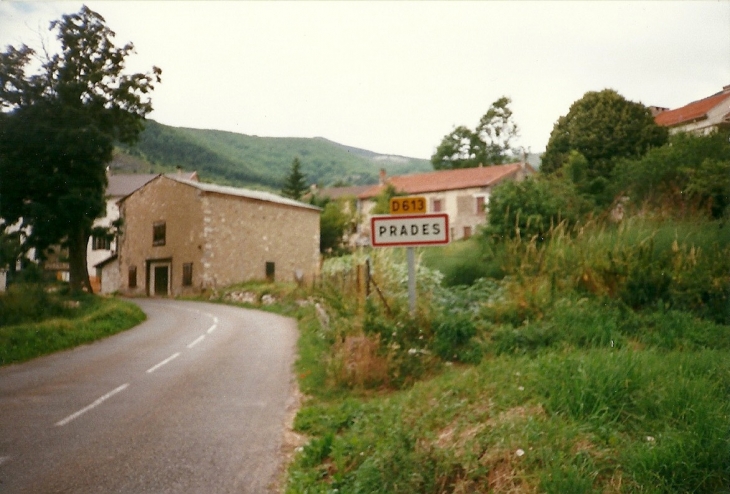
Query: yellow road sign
<point>408,205</point>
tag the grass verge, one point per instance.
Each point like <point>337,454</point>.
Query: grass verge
<point>84,320</point>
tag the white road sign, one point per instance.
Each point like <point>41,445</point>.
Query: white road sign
<point>409,230</point>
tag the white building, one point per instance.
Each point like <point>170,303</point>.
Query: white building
<point>463,194</point>
<point>701,116</point>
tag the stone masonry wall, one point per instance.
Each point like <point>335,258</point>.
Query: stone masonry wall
<point>241,235</point>
<point>178,205</point>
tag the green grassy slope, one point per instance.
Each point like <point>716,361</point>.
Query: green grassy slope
<point>243,160</point>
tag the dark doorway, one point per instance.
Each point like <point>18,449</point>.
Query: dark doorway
<point>162,278</point>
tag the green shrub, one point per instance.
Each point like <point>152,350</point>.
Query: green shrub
<point>532,208</point>
<point>690,172</point>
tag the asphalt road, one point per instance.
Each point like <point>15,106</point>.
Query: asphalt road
<point>192,400</point>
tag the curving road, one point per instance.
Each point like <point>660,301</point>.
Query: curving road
<point>192,400</point>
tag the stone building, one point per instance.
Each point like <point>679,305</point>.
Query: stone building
<point>101,251</point>
<point>181,236</point>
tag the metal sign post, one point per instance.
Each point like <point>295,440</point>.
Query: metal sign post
<point>411,255</point>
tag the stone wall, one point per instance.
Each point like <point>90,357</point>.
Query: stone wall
<point>241,235</point>
<point>178,205</point>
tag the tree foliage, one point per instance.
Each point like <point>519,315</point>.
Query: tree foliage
<point>603,127</point>
<point>691,172</point>
<point>532,207</point>
<point>334,224</point>
<point>488,144</point>
<point>295,184</point>
<point>382,200</point>
<point>58,126</point>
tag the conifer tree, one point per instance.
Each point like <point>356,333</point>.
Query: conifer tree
<point>295,184</point>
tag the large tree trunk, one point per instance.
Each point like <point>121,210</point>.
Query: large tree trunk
<point>78,274</point>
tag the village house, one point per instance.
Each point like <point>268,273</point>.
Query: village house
<point>701,117</point>
<point>182,236</point>
<point>462,193</point>
<point>101,251</point>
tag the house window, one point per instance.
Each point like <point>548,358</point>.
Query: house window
<point>101,242</point>
<point>132,277</point>
<point>159,233</point>
<point>187,277</point>
<point>481,204</point>
<point>467,231</point>
<point>437,206</point>
<point>270,271</point>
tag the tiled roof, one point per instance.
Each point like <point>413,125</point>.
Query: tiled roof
<point>694,111</point>
<point>463,178</point>
<point>248,194</point>
<point>123,185</point>
<point>337,192</point>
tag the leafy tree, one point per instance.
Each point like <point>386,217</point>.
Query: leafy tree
<point>295,184</point>
<point>334,223</point>
<point>603,127</point>
<point>338,218</point>
<point>382,200</point>
<point>58,127</point>
<point>488,144</point>
<point>10,248</point>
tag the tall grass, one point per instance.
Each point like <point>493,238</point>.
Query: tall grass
<point>641,262</point>
<point>616,421</point>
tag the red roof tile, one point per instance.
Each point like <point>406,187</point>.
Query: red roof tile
<point>463,178</point>
<point>693,111</point>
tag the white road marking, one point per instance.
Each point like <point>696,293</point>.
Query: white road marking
<point>167,360</point>
<point>215,319</point>
<point>212,328</point>
<point>98,402</point>
<point>196,341</point>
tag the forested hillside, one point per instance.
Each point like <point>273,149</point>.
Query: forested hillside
<point>244,160</point>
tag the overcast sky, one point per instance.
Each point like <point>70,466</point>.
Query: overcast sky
<point>395,77</point>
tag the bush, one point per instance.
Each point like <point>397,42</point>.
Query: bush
<point>688,173</point>
<point>533,207</point>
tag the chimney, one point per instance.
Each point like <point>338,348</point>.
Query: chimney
<point>382,177</point>
<point>656,110</point>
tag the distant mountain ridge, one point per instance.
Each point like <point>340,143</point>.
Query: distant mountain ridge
<point>260,162</point>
